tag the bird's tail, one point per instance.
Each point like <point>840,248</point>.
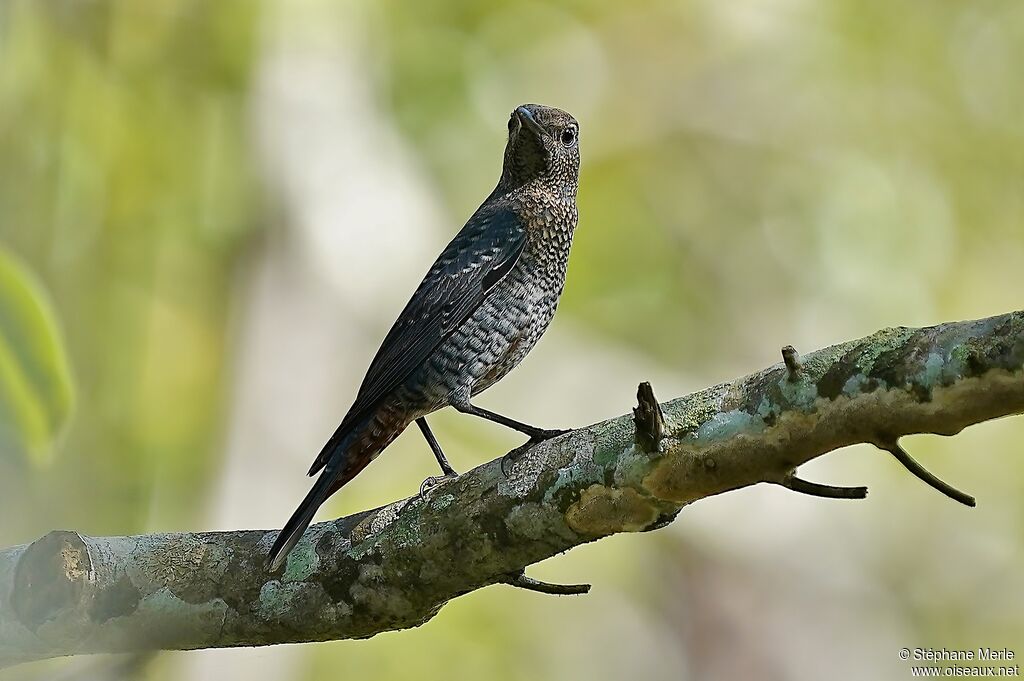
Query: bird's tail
<point>342,459</point>
<point>324,487</point>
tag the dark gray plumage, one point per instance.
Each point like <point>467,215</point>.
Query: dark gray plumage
<point>480,309</point>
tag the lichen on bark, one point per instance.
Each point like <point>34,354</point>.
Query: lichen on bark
<point>395,567</point>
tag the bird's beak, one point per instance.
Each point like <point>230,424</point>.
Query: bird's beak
<point>527,120</point>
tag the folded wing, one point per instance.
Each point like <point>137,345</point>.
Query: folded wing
<point>479,256</point>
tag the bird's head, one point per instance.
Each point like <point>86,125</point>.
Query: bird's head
<point>543,145</point>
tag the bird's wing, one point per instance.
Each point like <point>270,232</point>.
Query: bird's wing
<point>479,256</point>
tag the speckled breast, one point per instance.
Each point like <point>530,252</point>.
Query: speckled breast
<point>525,301</point>
<point>502,331</point>
<point>524,308</point>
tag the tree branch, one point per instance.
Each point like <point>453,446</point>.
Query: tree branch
<point>394,567</point>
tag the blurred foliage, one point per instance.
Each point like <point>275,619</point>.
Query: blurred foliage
<point>36,393</point>
<point>126,183</point>
<point>828,152</point>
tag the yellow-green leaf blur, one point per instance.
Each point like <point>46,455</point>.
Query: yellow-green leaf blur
<point>227,203</point>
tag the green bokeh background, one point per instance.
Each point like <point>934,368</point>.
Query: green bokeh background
<point>214,210</point>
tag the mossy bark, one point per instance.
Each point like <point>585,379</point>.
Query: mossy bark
<point>396,566</point>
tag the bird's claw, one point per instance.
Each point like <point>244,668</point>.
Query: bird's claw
<point>538,437</point>
<point>433,482</point>
<point>510,458</point>
<point>542,435</point>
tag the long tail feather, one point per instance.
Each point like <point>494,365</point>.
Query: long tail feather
<point>300,520</point>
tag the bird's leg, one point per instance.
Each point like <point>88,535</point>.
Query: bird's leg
<point>536,434</point>
<point>442,460</point>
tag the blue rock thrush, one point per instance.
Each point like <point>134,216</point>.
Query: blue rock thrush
<point>480,309</point>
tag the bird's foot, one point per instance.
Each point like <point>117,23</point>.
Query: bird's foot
<point>537,437</point>
<point>540,435</point>
<point>433,482</point>
<point>510,458</point>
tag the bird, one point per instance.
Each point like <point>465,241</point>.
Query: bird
<point>481,307</point>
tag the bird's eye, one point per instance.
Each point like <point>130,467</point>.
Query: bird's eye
<point>568,137</point>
